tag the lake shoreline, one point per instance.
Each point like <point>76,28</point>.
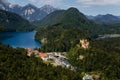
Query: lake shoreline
<point>108,36</point>
<point>20,39</point>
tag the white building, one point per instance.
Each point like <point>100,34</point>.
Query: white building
<point>88,77</point>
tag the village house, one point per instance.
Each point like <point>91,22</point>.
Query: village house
<point>51,56</point>
<point>29,51</point>
<point>36,53</point>
<point>44,56</point>
<point>88,77</point>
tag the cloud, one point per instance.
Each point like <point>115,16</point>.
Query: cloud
<point>4,1</point>
<point>98,2</point>
<point>46,1</point>
<point>32,0</point>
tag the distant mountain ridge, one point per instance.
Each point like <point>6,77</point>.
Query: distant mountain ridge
<point>105,19</point>
<point>29,11</point>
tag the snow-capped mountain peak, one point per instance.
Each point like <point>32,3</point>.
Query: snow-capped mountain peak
<point>48,8</point>
<point>11,6</point>
<point>29,11</point>
<point>30,6</point>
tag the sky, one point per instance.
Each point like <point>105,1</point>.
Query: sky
<point>88,7</point>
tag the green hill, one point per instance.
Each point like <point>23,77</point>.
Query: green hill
<point>13,22</point>
<point>50,19</point>
<point>71,17</point>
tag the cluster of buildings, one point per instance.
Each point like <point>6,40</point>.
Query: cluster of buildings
<point>58,58</point>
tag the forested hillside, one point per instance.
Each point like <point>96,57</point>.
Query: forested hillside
<point>16,65</point>
<point>60,38</point>
<point>66,32</point>
<point>102,58</point>
<point>63,29</point>
<point>13,22</point>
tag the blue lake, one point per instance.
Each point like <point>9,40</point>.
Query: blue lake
<point>19,39</point>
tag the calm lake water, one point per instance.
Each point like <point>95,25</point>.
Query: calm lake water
<point>19,39</point>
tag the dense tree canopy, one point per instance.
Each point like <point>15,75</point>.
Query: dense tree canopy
<point>60,38</point>
<point>102,57</point>
<point>16,65</point>
<point>13,22</point>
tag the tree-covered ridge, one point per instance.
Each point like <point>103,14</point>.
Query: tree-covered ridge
<point>50,19</point>
<point>13,22</point>
<point>102,58</point>
<point>16,65</point>
<point>59,38</point>
<point>106,19</point>
<point>69,18</point>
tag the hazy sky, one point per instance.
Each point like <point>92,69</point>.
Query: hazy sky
<point>88,7</point>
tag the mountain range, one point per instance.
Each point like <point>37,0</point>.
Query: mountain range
<point>33,13</point>
<point>105,19</point>
<point>73,18</point>
<point>29,11</point>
